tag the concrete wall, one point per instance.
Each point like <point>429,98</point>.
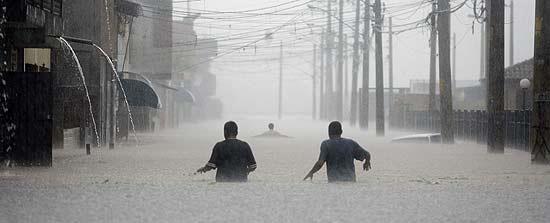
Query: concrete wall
<point>145,47</point>
<point>92,20</point>
<point>149,50</point>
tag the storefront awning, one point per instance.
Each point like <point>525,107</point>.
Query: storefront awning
<point>140,94</point>
<point>181,95</point>
<point>184,95</point>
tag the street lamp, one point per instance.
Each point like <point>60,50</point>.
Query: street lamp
<point>524,84</point>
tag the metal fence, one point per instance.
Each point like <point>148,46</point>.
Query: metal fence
<point>470,125</point>
<point>53,6</point>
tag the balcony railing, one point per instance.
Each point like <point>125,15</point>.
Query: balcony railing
<point>52,6</point>
<point>40,17</point>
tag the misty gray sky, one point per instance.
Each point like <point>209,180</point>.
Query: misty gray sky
<point>249,76</point>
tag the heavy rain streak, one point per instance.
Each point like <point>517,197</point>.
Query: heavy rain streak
<point>274,111</point>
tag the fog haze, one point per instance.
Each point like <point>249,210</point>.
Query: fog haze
<point>249,76</point>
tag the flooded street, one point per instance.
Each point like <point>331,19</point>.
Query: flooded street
<point>158,83</point>
<point>155,183</point>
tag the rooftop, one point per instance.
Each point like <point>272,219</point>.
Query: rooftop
<point>520,70</point>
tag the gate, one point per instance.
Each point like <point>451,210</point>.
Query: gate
<point>30,103</point>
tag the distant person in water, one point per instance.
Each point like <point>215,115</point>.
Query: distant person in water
<point>232,158</point>
<point>339,154</point>
<point>272,133</point>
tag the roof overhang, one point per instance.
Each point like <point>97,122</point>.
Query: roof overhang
<point>184,95</point>
<point>129,8</point>
<point>140,94</point>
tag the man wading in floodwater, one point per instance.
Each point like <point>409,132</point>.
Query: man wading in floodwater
<point>271,133</point>
<point>232,157</point>
<point>339,154</point>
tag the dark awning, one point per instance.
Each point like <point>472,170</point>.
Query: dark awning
<point>129,8</point>
<point>140,94</point>
<point>184,95</point>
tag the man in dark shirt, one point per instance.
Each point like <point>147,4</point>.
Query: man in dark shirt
<point>339,154</point>
<point>232,157</point>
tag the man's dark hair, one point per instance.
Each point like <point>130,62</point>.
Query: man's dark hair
<point>271,126</point>
<point>230,129</point>
<point>335,128</point>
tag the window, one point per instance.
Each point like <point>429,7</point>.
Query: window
<point>53,6</point>
<point>37,60</point>
<point>57,6</point>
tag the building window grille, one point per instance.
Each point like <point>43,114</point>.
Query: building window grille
<point>52,6</point>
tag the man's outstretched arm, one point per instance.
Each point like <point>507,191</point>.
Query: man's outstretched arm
<point>318,165</point>
<point>252,167</point>
<point>250,159</point>
<point>366,165</point>
<point>212,162</point>
<point>363,155</point>
<point>206,168</point>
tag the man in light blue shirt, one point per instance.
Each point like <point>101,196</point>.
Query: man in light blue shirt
<point>339,154</point>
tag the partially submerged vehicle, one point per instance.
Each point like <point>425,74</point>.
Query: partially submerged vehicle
<point>419,138</point>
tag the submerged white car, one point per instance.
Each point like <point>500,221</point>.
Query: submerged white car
<point>419,138</point>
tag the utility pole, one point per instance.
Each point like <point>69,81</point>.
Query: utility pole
<point>483,45</point>
<point>541,85</point>
<point>329,94</point>
<point>433,57</point>
<point>314,84</point>
<point>346,78</point>
<point>495,76</point>
<point>355,65</point>
<point>454,63</point>
<point>446,95</point>
<point>380,125</point>
<point>511,50</point>
<point>364,111</point>
<point>390,64</point>
<point>280,114</point>
<point>322,77</point>
<point>340,72</point>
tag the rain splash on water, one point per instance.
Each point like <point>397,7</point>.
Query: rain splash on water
<point>108,21</point>
<point>121,89</point>
<point>68,46</point>
<point>7,128</point>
